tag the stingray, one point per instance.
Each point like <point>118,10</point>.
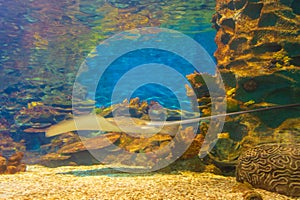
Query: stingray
<point>134,125</point>
<point>117,124</point>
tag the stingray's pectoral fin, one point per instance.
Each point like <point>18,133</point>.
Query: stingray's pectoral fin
<point>82,123</point>
<point>60,128</point>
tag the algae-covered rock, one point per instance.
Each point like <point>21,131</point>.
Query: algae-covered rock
<point>258,45</point>
<point>256,37</point>
<point>288,131</point>
<point>225,153</point>
<point>258,58</point>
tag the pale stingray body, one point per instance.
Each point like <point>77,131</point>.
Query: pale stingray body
<point>118,124</point>
<point>134,125</point>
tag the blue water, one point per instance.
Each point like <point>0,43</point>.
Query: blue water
<point>43,43</point>
<point>150,92</point>
<point>25,27</point>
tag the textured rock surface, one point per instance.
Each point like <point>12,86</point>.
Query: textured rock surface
<point>8,147</point>
<point>254,36</point>
<point>258,53</point>
<point>258,57</point>
<point>143,151</point>
<point>13,164</point>
<point>273,167</point>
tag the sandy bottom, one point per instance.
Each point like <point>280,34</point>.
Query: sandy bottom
<point>100,182</point>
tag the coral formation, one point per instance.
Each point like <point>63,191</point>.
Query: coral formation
<point>273,167</point>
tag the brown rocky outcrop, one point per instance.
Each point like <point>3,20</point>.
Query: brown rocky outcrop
<point>255,38</point>
<point>13,164</point>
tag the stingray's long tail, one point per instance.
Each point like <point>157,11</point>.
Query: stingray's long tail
<point>94,122</point>
<point>189,121</point>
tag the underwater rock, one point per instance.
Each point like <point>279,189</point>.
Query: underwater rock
<point>232,105</point>
<point>143,110</point>
<point>258,56</point>
<point>58,142</point>
<point>68,149</point>
<point>252,195</point>
<point>273,167</point>
<point>194,148</point>
<point>133,108</point>
<point>121,17</point>
<point>225,153</point>
<point>4,125</point>
<point>142,150</point>
<point>149,144</point>
<point>38,116</point>
<point>8,146</point>
<point>77,152</point>
<point>288,131</point>
<point>35,119</point>
<point>211,168</point>
<point>13,164</point>
<point>2,165</point>
<point>198,83</point>
<point>94,143</point>
<point>11,170</point>
<point>194,164</point>
<point>251,33</point>
<point>54,160</point>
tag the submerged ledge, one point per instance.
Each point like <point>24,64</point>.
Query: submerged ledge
<point>102,182</point>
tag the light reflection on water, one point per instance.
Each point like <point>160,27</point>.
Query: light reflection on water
<point>44,42</point>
